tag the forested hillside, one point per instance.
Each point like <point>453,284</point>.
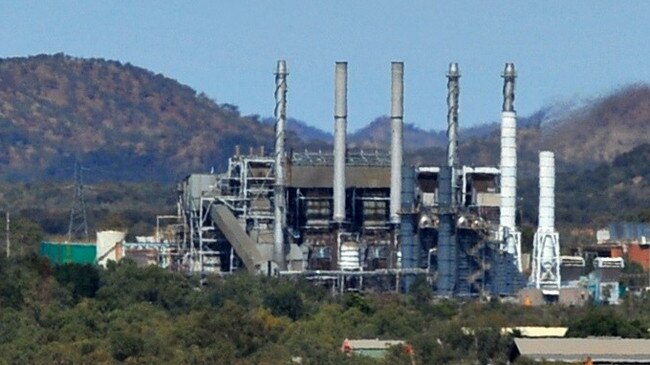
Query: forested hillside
<point>125,122</point>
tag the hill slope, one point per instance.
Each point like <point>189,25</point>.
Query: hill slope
<point>125,122</point>
<point>129,124</point>
<point>601,131</point>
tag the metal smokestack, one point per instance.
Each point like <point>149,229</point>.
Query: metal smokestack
<point>279,189</point>
<point>546,246</point>
<point>340,130</point>
<point>396,145</point>
<point>510,236</point>
<point>546,190</point>
<point>447,245</point>
<point>453,91</point>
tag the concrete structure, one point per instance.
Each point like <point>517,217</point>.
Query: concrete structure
<point>546,243</point>
<point>510,235</point>
<point>574,296</point>
<point>340,145</point>
<point>397,139</point>
<point>606,350</point>
<point>109,246</point>
<point>530,297</point>
<point>572,269</point>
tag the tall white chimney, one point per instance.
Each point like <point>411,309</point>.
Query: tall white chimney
<point>397,141</point>
<point>340,127</point>
<point>546,246</point>
<point>546,190</point>
<point>279,188</point>
<point>511,237</point>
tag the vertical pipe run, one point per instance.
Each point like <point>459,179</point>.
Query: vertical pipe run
<point>409,247</point>
<point>453,91</point>
<point>279,191</point>
<point>447,250</point>
<point>396,145</point>
<point>340,130</point>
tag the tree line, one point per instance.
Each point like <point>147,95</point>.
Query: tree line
<point>75,314</point>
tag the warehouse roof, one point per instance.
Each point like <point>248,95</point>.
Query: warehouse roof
<point>537,331</point>
<point>599,349</point>
<point>373,344</point>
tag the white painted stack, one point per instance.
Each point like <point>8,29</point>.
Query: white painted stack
<point>510,235</point>
<point>546,247</point>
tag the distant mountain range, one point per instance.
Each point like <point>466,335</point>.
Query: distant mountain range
<point>126,123</point>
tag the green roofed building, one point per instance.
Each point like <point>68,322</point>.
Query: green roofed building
<point>69,253</point>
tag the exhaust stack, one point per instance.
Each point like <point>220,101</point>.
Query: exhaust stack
<point>546,246</point>
<point>510,236</point>
<point>396,145</point>
<point>279,189</point>
<point>452,126</point>
<point>340,127</point>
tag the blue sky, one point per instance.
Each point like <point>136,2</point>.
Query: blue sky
<point>563,50</point>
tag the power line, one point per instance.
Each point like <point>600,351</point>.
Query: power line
<point>78,223</point>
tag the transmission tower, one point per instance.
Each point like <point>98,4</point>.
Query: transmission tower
<point>78,227</point>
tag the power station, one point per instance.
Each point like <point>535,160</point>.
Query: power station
<point>357,220</point>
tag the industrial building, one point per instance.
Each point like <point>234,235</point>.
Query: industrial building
<point>593,350</point>
<point>358,220</point>
<point>110,246</point>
